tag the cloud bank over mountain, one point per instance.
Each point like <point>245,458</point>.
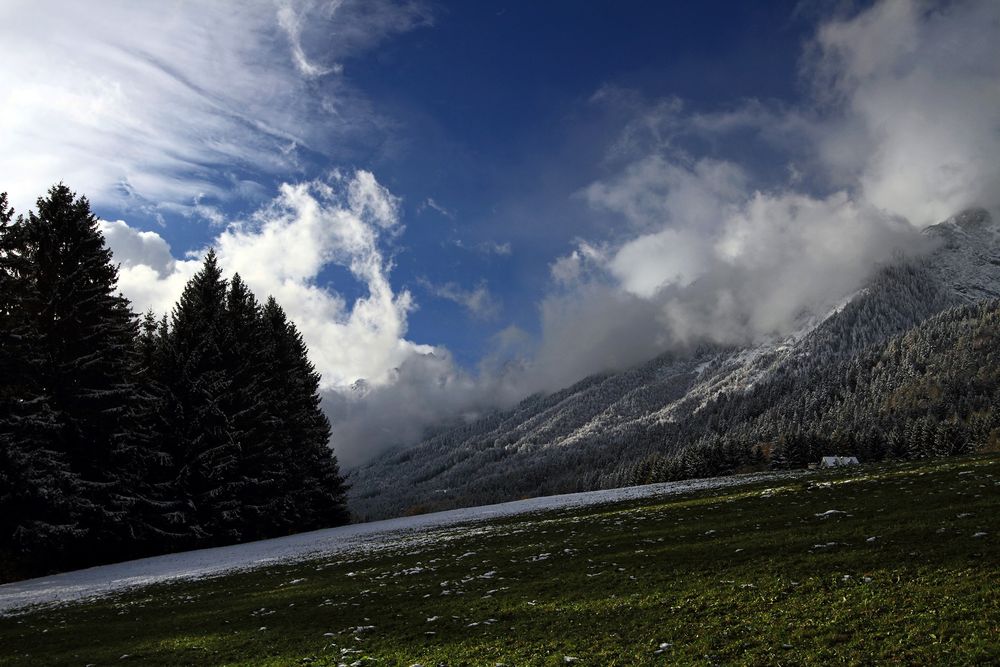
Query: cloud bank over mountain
<point>699,238</point>
<point>900,130</point>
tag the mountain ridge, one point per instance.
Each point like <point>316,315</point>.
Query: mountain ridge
<point>593,433</point>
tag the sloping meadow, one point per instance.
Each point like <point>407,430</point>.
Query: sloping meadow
<point>887,563</point>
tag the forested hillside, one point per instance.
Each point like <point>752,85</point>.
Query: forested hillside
<point>710,410</point>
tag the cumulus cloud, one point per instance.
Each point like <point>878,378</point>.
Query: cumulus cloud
<point>915,93</point>
<point>162,105</point>
<point>148,272</point>
<point>281,251</point>
<point>901,132</point>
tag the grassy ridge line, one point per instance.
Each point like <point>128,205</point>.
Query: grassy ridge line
<point>757,575</point>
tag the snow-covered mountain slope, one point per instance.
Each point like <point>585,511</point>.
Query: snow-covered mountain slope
<point>404,533</point>
<point>968,261</point>
<point>584,436</point>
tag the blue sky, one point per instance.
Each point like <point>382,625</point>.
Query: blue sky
<point>465,202</point>
<point>488,115</point>
<point>500,131</point>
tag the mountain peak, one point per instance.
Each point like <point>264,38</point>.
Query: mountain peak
<point>972,223</point>
<point>968,259</point>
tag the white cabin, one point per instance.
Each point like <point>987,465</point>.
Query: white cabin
<point>835,461</point>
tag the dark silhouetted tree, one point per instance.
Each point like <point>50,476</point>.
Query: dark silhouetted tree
<point>206,455</point>
<point>81,365</point>
<point>38,490</point>
<point>299,428</point>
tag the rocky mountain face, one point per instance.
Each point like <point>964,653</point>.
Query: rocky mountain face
<point>729,406</point>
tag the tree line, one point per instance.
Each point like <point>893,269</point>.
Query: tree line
<point>123,436</point>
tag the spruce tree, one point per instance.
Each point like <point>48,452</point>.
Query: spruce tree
<point>38,491</point>
<point>82,365</point>
<point>158,432</point>
<point>206,455</point>
<point>317,490</point>
<point>264,501</point>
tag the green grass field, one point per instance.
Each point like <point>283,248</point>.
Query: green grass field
<point>906,570</point>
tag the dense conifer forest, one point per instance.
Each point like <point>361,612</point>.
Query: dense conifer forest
<point>123,436</point>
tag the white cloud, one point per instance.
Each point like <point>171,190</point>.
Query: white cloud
<point>291,20</point>
<point>773,261</point>
<point>489,247</point>
<point>496,248</point>
<point>164,104</point>
<point>902,132</point>
<point>570,269</point>
<point>429,203</point>
<point>425,390</point>
<point>917,88</point>
<point>566,270</point>
<point>281,251</point>
<point>149,275</point>
<point>646,264</point>
<point>655,190</point>
<point>591,328</point>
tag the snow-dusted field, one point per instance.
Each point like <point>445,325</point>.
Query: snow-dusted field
<point>377,535</point>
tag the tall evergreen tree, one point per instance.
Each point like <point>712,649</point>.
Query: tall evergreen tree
<point>206,454</point>
<point>38,490</point>
<point>318,490</point>
<point>157,432</point>
<point>82,364</point>
<point>264,502</point>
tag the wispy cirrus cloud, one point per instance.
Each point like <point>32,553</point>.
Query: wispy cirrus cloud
<point>429,203</point>
<point>168,106</point>
<point>478,301</point>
